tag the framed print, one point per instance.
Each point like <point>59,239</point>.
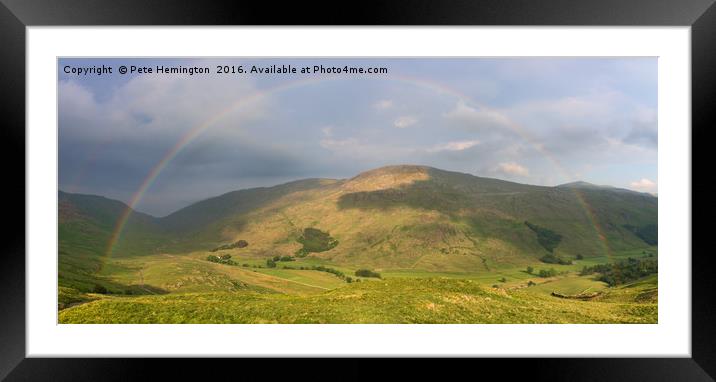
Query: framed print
<point>461,179</point>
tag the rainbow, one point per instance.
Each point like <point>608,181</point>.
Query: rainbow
<point>195,132</point>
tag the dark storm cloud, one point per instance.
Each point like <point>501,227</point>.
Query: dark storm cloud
<point>239,159</point>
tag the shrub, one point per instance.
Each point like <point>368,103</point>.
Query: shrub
<point>502,280</point>
<point>99,289</point>
<point>530,269</point>
<point>580,257</point>
<point>221,260</point>
<point>238,244</point>
<point>531,283</point>
<point>286,258</point>
<point>270,263</point>
<point>367,273</point>
<point>349,280</point>
<point>321,268</point>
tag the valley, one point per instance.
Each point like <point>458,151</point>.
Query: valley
<point>398,244</point>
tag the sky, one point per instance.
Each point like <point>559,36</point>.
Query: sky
<point>180,138</point>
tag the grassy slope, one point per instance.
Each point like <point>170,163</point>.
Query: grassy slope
<point>389,301</point>
<point>203,224</point>
<point>192,273</point>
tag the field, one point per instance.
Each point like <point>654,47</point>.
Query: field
<point>429,300</point>
<point>190,289</point>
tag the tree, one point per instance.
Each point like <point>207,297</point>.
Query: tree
<point>367,273</point>
<point>551,258</point>
<point>270,263</point>
<point>623,271</point>
<point>99,289</point>
<point>315,240</point>
<point>531,283</point>
<point>547,272</point>
<point>530,269</point>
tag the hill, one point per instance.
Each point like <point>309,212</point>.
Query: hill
<point>421,217</point>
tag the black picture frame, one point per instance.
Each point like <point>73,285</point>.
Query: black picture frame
<point>16,15</point>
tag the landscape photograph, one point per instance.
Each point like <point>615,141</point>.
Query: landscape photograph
<point>372,190</point>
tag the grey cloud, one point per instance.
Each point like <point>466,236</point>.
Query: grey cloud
<point>108,146</point>
<point>642,134</point>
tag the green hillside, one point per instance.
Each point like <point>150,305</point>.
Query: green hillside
<point>307,238</point>
<point>85,227</point>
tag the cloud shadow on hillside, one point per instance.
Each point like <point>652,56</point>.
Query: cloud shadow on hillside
<point>421,194</point>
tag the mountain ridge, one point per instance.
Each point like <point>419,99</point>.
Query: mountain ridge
<point>579,184</point>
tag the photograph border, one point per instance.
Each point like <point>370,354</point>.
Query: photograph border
<point>15,16</point>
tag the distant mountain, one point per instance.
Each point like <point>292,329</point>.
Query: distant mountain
<point>93,219</point>
<point>407,216</point>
